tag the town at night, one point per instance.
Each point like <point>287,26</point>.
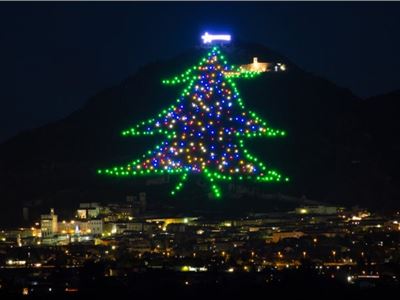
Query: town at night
<point>110,245</point>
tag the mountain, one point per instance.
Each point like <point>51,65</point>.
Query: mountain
<point>379,161</point>
<point>333,151</point>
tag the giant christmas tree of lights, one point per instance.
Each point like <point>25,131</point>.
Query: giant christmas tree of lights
<point>204,131</point>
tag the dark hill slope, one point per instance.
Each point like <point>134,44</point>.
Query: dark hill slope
<point>380,160</point>
<point>55,164</point>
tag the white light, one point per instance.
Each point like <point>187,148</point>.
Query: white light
<point>208,38</point>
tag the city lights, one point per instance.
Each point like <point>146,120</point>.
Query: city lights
<point>202,245</point>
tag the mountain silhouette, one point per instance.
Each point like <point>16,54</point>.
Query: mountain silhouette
<point>339,148</point>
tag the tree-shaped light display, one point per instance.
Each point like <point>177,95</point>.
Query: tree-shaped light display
<point>204,131</point>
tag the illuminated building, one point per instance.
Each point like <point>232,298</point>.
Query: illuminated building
<point>48,224</point>
<point>256,66</point>
<point>278,236</point>
<point>91,226</point>
<point>81,214</point>
<point>88,210</point>
<point>95,226</point>
<point>318,210</point>
<point>164,222</point>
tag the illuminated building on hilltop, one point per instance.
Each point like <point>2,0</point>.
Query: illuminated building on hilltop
<point>256,66</point>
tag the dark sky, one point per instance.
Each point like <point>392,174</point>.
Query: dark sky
<point>53,56</point>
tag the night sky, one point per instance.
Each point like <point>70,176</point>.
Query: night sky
<point>53,56</point>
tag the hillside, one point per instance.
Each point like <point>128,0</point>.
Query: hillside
<point>335,151</point>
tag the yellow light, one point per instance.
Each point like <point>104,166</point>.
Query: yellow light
<point>185,269</point>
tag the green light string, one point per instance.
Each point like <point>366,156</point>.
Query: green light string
<point>179,152</point>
